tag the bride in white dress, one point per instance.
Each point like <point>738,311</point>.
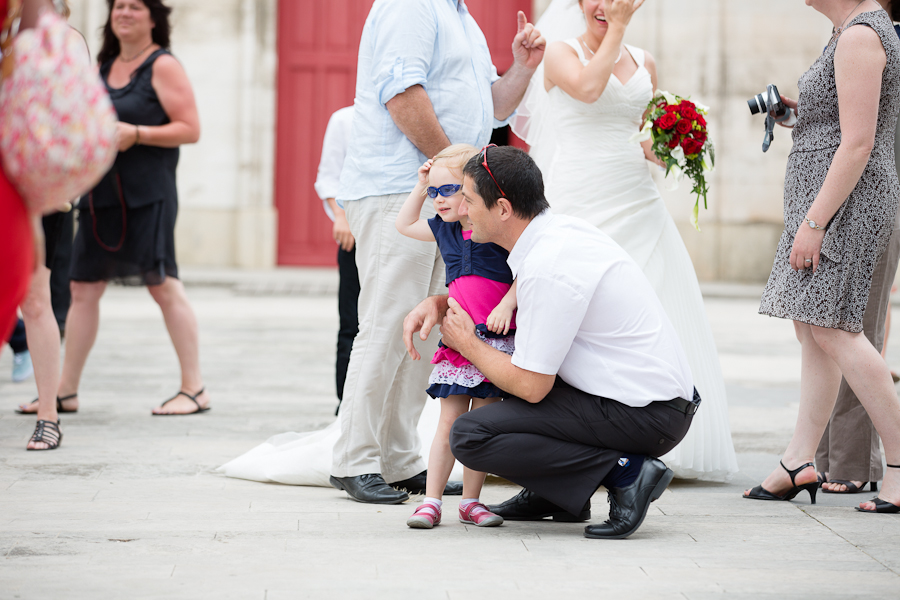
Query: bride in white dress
<point>578,115</point>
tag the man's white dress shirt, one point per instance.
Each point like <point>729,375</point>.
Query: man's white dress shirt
<point>334,151</point>
<point>587,313</point>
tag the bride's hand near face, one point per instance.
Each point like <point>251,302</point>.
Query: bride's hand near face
<point>619,12</point>
<point>605,21</point>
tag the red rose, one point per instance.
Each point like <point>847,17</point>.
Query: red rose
<point>672,108</point>
<point>673,143</point>
<point>700,136</point>
<point>691,146</point>
<point>667,121</point>
<point>683,126</point>
<point>701,121</point>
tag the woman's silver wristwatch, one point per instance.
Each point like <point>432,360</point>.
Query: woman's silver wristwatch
<point>812,224</point>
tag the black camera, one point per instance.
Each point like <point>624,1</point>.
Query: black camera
<point>776,110</point>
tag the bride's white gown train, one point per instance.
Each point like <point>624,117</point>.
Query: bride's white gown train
<point>305,458</point>
<point>597,174</point>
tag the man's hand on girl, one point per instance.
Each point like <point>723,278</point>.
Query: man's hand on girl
<point>428,313</point>
<point>457,328</point>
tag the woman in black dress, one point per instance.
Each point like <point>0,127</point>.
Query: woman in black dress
<point>126,227</point>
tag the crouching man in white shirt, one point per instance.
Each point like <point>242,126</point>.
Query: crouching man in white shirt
<point>599,385</point>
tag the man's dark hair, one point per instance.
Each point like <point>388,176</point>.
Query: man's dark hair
<point>894,10</point>
<point>516,173</point>
<point>159,13</point>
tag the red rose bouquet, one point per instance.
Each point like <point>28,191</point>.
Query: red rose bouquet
<point>677,128</point>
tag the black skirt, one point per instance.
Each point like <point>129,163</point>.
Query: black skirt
<point>143,255</point>
<point>58,230</point>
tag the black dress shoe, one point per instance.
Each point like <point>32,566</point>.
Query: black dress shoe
<point>370,488</point>
<point>628,505</point>
<point>416,485</point>
<point>528,506</point>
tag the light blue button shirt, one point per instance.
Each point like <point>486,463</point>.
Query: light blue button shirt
<point>432,43</point>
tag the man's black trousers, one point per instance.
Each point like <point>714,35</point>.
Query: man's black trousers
<point>348,297</point>
<point>562,447</point>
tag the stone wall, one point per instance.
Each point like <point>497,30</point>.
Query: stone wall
<point>225,182</point>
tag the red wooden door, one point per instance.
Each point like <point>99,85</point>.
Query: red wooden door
<point>317,45</point>
<point>318,41</point>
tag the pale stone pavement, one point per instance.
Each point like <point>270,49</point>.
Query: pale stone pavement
<point>129,506</point>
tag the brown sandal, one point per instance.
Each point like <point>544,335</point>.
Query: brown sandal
<point>47,432</point>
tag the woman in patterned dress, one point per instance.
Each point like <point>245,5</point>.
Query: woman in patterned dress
<point>840,200</point>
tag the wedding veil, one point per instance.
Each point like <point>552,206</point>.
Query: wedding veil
<point>532,121</point>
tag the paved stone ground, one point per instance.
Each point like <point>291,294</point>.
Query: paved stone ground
<point>129,506</point>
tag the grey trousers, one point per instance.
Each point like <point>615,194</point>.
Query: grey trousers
<point>384,392</point>
<point>850,448</point>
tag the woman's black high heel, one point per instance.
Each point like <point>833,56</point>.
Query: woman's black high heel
<point>761,493</point>
<point>882,506</point>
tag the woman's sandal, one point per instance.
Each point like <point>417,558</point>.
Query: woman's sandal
<point>193,399</point>
<point>882,506</point>
<point>761,493</point>
<point>59,405</point>
<point>47,432</point>
<point>852,488</point>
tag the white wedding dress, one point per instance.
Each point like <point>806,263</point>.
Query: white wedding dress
<point>305,458</point>
<point>594,172</point>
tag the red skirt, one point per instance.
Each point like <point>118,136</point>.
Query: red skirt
<point>16,255</point>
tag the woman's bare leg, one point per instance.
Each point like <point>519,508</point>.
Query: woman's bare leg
<point>184,332</point>
<point>82,323</point>
<point>869,377</point>
<point>42,332</point>
<point>820,378</point>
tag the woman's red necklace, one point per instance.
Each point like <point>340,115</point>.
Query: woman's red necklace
<point>128,60</point>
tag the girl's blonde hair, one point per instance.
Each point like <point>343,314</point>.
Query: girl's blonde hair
<point>456,156</point>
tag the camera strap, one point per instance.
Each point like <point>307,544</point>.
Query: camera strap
<point>770,132</point>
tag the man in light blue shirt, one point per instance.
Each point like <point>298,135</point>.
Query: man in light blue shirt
<point>425,80</point>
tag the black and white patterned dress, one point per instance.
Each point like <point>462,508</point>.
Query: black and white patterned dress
<point>835,296</point>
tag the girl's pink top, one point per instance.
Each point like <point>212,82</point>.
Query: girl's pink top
<point>478,296</point>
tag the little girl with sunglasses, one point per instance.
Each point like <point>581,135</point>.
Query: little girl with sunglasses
<point>480,280</point>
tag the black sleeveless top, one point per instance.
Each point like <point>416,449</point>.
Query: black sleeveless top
<point>147,173</point>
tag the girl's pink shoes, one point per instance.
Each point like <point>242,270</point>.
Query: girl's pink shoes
<point>477,514</point>
<point>426,517</point>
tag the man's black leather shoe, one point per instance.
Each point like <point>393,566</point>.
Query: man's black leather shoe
<point>370,488</point>
<point>628,505</point>
<point>528,506</point>
<point>416,485</point>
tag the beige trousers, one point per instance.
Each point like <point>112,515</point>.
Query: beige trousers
<point>850,448</point>
<point>385,389</point>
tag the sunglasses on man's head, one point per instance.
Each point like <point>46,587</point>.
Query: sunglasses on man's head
<point>484,164</point>
<point>445,190</point>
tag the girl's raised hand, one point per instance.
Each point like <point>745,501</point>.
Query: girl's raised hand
<point>499,320</point>
<point>423,171</point>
